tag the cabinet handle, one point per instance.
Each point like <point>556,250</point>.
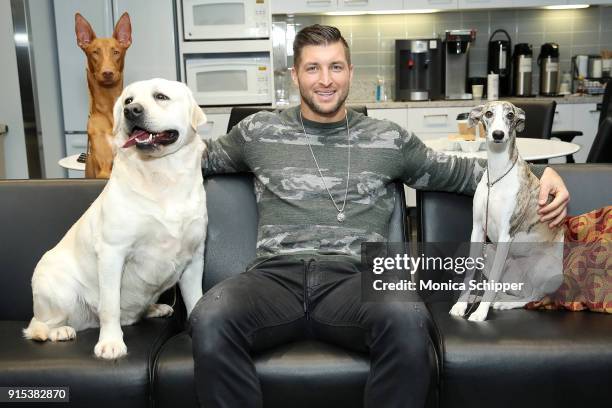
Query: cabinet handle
<point>436,115</point>
<point>356,2</point>
<point>3,129</point>
<point>318,2</point>
<point>594,111</point>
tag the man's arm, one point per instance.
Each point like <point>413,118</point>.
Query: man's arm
<point>225,154</point>
<point>424,168</point>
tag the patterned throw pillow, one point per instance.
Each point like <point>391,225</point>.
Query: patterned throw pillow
<point>587,265</point>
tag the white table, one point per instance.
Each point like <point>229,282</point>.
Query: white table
<point>529,149</point>
<point>71,163</point>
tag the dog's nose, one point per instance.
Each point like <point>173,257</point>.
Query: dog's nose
<point>498,134</point>
<point>133,111</point>
<point>108,74</point>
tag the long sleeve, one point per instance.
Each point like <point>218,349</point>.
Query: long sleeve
<point>226,154</point>
<point>424,168</point>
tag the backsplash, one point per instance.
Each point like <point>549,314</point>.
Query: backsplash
<point>372,37</point>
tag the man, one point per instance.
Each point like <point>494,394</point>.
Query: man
<point>323,181</point>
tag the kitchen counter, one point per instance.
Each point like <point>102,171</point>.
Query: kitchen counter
<point>436,104</point>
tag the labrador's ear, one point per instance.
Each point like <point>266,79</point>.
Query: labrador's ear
<point>520,119</point>
<point>475,115</point>
<point>197,115</point>
<point>84,33</point>
<point>117,116</point>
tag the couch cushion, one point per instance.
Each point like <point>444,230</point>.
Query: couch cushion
<point>92,382</point>
<point>307,373</point>
<point>523,358</point>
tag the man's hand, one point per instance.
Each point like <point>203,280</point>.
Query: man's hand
<point>551,184</point>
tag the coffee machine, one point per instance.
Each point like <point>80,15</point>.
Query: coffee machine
<point>456,48</point>
<point>418,69</point>
<point>499,60</point>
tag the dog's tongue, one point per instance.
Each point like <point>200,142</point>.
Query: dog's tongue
<point>139,136</point>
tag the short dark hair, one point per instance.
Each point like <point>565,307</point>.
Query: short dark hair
<point>317,34</point>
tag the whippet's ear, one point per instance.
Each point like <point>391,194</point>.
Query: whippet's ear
<point>475,115</point>
<point>84,33</point>
<point>520,119</point>
<point>197,115</point>
<point>123,30</point>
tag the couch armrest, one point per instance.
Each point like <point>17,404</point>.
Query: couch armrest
<point>34,215</point>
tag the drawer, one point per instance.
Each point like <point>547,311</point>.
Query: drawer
<point>436,120</point>
<point>398,116</point>
<point>76,143</point>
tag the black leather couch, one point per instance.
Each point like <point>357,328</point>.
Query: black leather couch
<point>521,358</point>
<point>517,358</point>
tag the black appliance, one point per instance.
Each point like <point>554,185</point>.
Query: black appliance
<point>499,60</point>
<point>418,69</point>
<point>548,60</point>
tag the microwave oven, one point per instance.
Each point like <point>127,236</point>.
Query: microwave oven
<point>226,19</point>
<point>230,79</point>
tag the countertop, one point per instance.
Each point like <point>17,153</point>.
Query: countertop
<point>433,104</point>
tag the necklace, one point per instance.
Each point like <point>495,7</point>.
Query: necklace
<point>341,216</point>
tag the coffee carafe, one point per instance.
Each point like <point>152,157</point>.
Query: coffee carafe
<point>521,68</point>
<point>548,60</point>
<point>499,60</point>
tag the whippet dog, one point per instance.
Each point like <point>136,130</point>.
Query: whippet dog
<point>505,209</point>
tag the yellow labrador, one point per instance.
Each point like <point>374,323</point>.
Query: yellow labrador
<point>144,233</point>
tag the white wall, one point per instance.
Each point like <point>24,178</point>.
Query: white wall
<point>15,160</point>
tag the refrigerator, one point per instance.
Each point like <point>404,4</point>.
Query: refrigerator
<point>153,54</point>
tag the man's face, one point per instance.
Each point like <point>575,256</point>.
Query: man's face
<point>323,77</point>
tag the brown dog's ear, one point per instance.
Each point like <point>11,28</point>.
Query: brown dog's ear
<point>84,33</point>
<point>475,115</point>
<point>520,119</point>
<point>123,30</point>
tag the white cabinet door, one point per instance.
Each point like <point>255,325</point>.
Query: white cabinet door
<point>586,119</point>
<point>153,50</point>
<point>76,143</point>
<point>433,123</point>
<point>303,6</point>
<point>539,3</point>
<point>72,61</point>
<point>484,4</point>
<point>370,5</point>
<point>430,4</point>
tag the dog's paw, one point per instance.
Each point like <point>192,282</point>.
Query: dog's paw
<point>110,349</point>
<point>458,309</point>
<point>159,310</point>
<point>480,315</point>
<point>508,305</point>
<point>62,333</point>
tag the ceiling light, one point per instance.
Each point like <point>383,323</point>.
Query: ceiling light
<point>566,7</point>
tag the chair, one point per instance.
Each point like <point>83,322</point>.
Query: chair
<point>539,117</point>
<point>240,112</point>
<point>605,109</point>
<point>601,150</point>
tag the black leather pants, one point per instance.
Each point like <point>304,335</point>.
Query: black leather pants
<point>285,299</point>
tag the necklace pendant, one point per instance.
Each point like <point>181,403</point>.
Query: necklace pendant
<point>341,217</point>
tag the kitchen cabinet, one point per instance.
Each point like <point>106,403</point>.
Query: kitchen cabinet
<point>370,5</point>
<point>399,116</point>
<point>585,118</point>
<point>303,6</point>
<point>484,4</point>
<point>431,4</point>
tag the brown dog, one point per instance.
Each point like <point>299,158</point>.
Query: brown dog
<point>105,57</point>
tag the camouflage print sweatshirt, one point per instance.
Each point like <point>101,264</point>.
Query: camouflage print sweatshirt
<point>296,214</point>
